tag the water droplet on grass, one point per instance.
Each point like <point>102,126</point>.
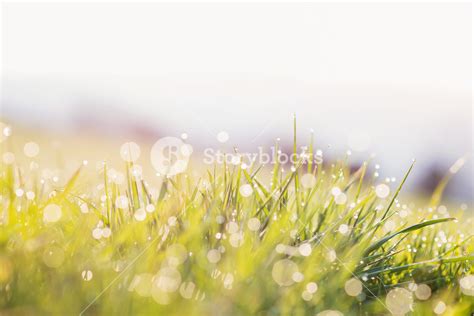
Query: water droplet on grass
<point>97,233</point>
<point>343,229</point>
<point>331,256</point>
<point>168,279</point>
<point>30,195</point>
<point>213,256</point>
<point>305,249</point>
<point>353,287</point>
<point>335,191</point>
<point>31,149</point>
<point>51,213</point>
<point>236,239</point>
<point>140,214</point>
<point>297,277</point>
<point>186,290</point>
<point>84,208</point>
<point>467,285</point>
<point>423,292</point>
<point>106,232</point>
<point>340,199</point>
<point>382,190</point>
<point>311,287</point>
<point>87,275</point>
<point>306,296</point>
<point>282,272</point>
<point>399,301</point>
<point>253,224</point>
<point>439,308</point>
<point>246,190</point>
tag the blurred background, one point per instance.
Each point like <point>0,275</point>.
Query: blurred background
<point>394,80</point>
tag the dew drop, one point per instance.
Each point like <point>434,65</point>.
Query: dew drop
<point>306,296</point>
<point>335,191</point>
<point>87,275</point>
<point>311,287</point>
<point>297,277</point>
<point>254,224</point>
<point>30,195</point>
<point>150,208</point>
<point>232,227</point>
<point>236,239</point>
<point>168,279</point>
<point>382,190</point>
<point>353,287</point>
<point>31,149</point>
<point>343,229</point>
<point>140,214</point>
<point>467,285</point>
<point>187,289</point>
<point>213,256</point>
<point>106,232</point>
<point>399,301</point>
<point>282,272</point>
<point>423,292</point>
<point>97,233</point>
<point>246,190</point>
<point>331,255</point>
<point>305,249</point>
<point>51,213</point>
<point>84,208</point>
<point>439,308</point>
<point>228,281</point>
<point>172,220</point>
<point>341,199</point>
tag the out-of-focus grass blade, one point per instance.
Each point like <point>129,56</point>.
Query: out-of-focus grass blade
<point>438,192</point>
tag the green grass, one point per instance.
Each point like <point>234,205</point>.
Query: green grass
<point>196,253</point>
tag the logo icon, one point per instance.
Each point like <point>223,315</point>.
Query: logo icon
<point>170,156</point>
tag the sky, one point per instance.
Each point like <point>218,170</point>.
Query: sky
<point>397,77</point>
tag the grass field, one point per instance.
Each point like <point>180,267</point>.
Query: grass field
<point>304,240</point>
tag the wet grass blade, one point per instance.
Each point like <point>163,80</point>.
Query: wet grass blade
<point>382,241</point>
